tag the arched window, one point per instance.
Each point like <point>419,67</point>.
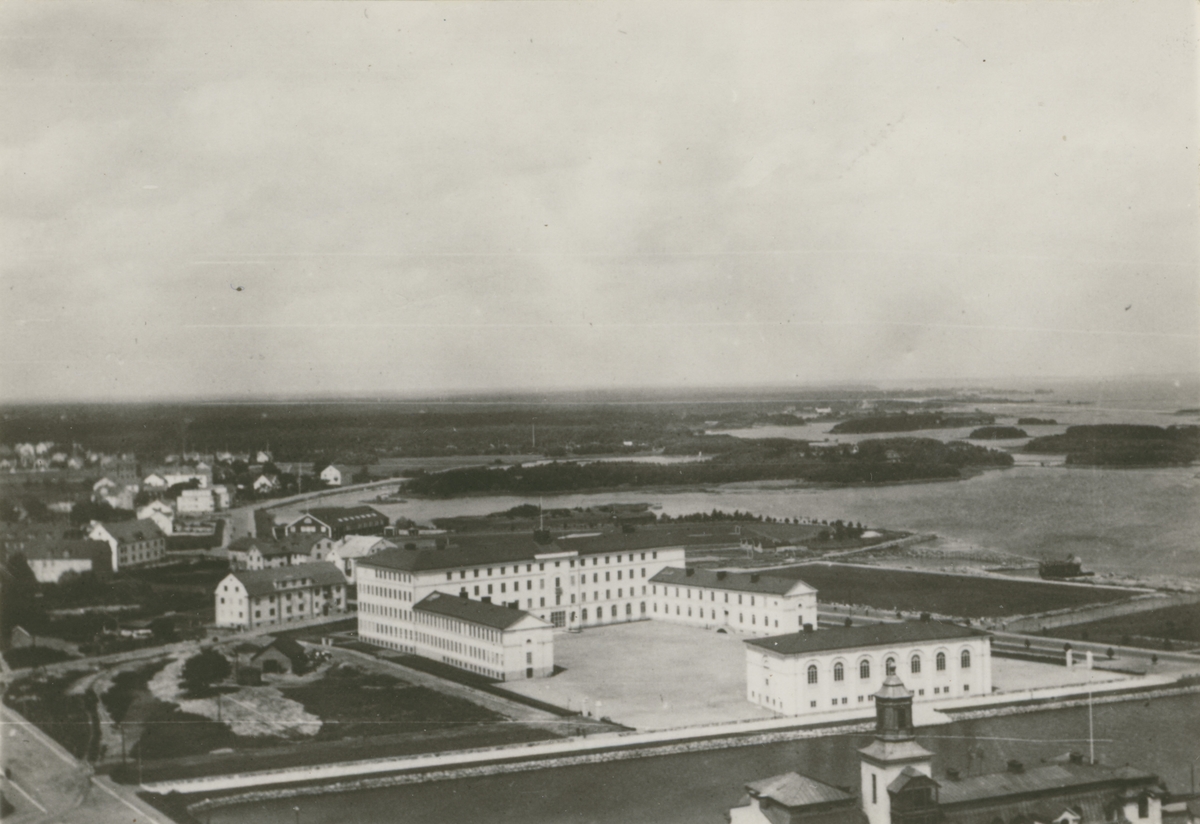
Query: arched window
<point>941,661</point>
<point>812,673</point>
<point>889,666</point>
<point>915,664</point>
<point>585,614</point>
<point>839,672</point>
<point>966,659</point>
<point>864,668</point>
<point>614,610</point>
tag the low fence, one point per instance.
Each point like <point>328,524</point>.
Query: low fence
<point>1098,612</point>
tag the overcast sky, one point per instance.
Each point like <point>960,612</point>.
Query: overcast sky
<point>238,199</point>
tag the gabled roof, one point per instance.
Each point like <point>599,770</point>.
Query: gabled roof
<point>911,777</point>
<point>263,581</point>
<point>795,790</point>
<point>995,786</point>
<point>289,647</point>
<point>475,612</point>
<point>128,531</point>
<point>736,581</point>
<point>53,549</point>
<point>346,516</point>
<point>869,635</point>
<point>357,546</point>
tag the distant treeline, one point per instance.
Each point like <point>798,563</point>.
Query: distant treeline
<point>997,433</point>
<point>911,422</point>
<point>875,461</point>
<point>1123,445</point>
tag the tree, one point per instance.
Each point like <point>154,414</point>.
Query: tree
<point>18,596</point>
<point>1110,652</point>
<point>205,668</point>
<point>848,621</point>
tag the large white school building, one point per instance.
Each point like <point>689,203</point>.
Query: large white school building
<point>747,602</point>
<point>842,667</point>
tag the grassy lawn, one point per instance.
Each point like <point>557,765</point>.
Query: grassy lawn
<point>355,703</point>
<point>961,596</point>
<point>1179,625</point>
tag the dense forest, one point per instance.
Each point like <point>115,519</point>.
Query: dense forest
<point>874,461</point>
<point>997,433</point>
<point>1122,445</point>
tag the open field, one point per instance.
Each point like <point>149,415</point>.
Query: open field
<point>965,596</point>
<point>648,675</point>
<point>1176,627</point>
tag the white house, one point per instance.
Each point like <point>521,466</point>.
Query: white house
<point>196,502</point>
<point>842,667</point>
<point>222,496</point>
<point>750,602</point>
<point>50,559</point>
<point>264,484</point>
<point>346,553</point>
<point>155,482</point>
<point>253,598</point>
<point>161,513</point>
<point>133,543</point>
<point>266,553</point>
<point>331,475</point>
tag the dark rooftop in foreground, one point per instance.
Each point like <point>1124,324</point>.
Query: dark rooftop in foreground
<point>870,635</point>
<point>476,612</point>
<point>736,581</point>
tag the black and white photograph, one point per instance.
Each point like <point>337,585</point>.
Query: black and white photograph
<point>564,412</point>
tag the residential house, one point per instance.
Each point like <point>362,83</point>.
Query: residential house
<point>266,484</point>
<point>50,559</point>
<point>162,513</point>
<point>155,483</point>
<point>346,552</point>
<point>196,502</point>
<point>331,475</point>
<point>253,598</point>
<point>281,655</point>
<point>133,543</point>
<point>266,553</point>
<point>222,496</point>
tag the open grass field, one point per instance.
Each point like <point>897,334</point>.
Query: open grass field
<point>1175,627</point>
<point>964,596</point>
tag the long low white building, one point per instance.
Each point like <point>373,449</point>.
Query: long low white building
<point>748,602</point>
<point>819,671</point>
<point>498,642</point>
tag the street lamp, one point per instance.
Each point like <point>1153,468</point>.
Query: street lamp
<point>296,810</point>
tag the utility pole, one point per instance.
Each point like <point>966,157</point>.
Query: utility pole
<point>121,729</point>
<point>1091,727</point>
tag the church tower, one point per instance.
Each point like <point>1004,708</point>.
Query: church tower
<point>896,770</point>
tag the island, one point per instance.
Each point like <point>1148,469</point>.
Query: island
<point>1122,445</point>
<point>1036,422</point>
<point>997,433</point>
<point>885,460</point>
<point>912,421</point>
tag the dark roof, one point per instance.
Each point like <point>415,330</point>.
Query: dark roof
<point>347,516</point>
<point>289,647</point>
<point>300,544</point>
<point>262,581</point>
<point>739,581</point>
<point>795,790</point>
<point>43,549</point>
<point>504,547</point>
<point>128,531</point>
<point>869,635</point>
<point>995,786</point>
<point>476,612</point>
<point>910,776</point>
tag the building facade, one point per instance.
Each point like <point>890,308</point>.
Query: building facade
<point>132,543</point>
<point>758,604</point>
<point>51,558</point>
<point>841,668</point>
<point>338,522</point>
<point>255,598</point>
<point>346,553</point>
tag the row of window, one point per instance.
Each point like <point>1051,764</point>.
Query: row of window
<point>741,619</point>
<point>712,595</point>
<point>889,666</point>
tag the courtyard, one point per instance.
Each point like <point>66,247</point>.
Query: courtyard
<point>649,675</point>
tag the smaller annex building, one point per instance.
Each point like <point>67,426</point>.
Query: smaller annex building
<point>842,667</point>
<point>255,598</point>
<point>748,602</point>
<point>498,642</point>
<point>338,521</point>
<point>132,543</point>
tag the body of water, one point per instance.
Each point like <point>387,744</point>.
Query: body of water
<point>1161,735</point>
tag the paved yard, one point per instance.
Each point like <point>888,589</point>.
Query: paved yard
<point>1011,675</point>
<point>648,675</point>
